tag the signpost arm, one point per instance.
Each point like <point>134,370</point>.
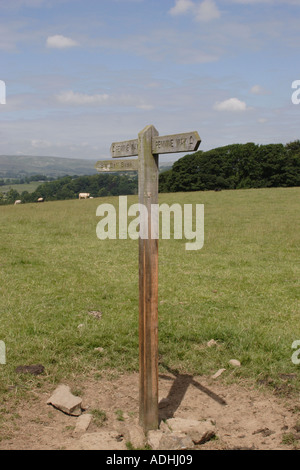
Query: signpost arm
<point>148,283</point>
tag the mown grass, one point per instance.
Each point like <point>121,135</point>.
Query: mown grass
<point>241,289</point>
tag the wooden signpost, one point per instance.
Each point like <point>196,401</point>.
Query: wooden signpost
<point>147,147</point>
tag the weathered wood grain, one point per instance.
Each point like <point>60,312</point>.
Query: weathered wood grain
<point>148,284</point>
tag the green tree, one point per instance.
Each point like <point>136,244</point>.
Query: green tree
<point>235,166</point>
<point>12,196</point>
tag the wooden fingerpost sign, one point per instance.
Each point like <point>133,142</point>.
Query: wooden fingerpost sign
<point>147,147</point>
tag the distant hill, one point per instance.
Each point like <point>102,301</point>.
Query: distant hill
<point>16,166</point>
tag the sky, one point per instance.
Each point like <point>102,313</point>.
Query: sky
<point>78,75</point>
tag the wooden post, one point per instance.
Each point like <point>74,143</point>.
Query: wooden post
<point>148,283</point>
<point>147,147</point>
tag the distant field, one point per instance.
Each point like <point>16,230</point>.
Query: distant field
<point>30,187</point>
<point>241,289</point>
<point>15,166</point>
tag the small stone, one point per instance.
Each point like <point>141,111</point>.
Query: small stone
<point>83,423</point>
<point>198,431</point>
<point>175,441</point>
<point>65,401</point>
<point>80,326</point>
<point>218,373</point>
<point>153,438</point>
<point>211,343</point>
<point>234,363</point>
<point>137,436</point>
<point>99,349</point>
<point>207,436</point>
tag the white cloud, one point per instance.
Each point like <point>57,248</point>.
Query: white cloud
<point>60,42</point>
<point>181,6</point>
<point>70,97</point>
<point>83,99</point>
<point>232,104</point>
<point>40,143</point>
<point>206,10</point>
<point>258,90</point>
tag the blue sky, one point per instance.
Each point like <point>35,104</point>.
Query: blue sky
<point>80,74</point>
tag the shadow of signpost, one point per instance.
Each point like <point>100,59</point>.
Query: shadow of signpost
<point>167,406</point>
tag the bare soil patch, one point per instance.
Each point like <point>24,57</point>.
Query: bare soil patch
<point>245,417</point>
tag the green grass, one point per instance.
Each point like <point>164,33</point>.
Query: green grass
<point>99,417</point>
<point>241,289</point>
<point>30,187</point>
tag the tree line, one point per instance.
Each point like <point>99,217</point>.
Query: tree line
<point>235,166</point>
<point>25,179</point>
<point>69,187</point>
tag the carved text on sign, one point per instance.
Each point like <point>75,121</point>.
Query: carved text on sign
<point>117,165</point>
<point>176,143</point>
<point>123,149</point>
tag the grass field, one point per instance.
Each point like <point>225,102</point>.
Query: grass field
<point>30,187</point>
<point>241,289</point>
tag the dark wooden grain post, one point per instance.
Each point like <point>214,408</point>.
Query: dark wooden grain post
<point>148,282</point>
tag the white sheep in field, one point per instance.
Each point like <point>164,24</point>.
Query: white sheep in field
<point>84,195</point>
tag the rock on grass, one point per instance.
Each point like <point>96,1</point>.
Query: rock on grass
<point>65,401</point>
